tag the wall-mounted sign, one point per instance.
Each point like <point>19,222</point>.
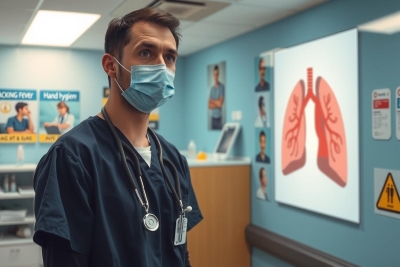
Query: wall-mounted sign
<point>18,116</point>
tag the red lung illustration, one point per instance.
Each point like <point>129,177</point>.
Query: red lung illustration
<point>329,126</point>
<point>294,129</point>
<point>332,150</point>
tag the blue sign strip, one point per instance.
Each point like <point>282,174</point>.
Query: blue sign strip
<point>66,96</point>
<point>17,94</point>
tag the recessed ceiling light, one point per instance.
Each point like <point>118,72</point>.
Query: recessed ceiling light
<point>58,28</point>
<point>389,24</point>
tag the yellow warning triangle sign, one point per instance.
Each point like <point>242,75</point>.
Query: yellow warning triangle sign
<point>389,198</point>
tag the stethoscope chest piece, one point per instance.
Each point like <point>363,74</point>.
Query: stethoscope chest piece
<point>151,222</point>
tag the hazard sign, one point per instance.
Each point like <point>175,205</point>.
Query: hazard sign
<point>389,197</point>
<point>387,200</point>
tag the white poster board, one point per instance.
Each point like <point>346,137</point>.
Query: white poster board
<point>316,133</point>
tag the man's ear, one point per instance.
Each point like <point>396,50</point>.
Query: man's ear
<point>109,65</point>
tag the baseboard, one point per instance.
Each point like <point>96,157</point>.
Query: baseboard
<point>291,251</point>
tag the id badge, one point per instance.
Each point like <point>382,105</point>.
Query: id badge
<point>180,231</point>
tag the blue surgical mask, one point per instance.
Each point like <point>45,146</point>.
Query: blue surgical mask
<point>151,86</point>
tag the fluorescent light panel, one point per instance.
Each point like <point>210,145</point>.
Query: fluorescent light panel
<point>389,24</point>
<point>58,28</point>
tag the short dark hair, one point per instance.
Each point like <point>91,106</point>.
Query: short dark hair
<point>262,133</point>
<point>260,172</point>
<point>118,32</point>
<point>20,105</point>
<point>260,102</point>
<point>216,68</point>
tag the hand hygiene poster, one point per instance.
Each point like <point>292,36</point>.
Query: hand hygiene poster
<point>316,126</point>
<point>59,113</point>
<point>18,116</point>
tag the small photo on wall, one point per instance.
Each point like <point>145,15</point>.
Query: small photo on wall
<point>59,113</point>
<point>263,72</point>
<point>262,110</point>
<point>263,88</point>
<point>216,95</point>
<point>263,145</point>
<point>263,191</point>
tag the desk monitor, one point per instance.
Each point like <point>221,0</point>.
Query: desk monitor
<point>52,130</point>
<point>226,140</point>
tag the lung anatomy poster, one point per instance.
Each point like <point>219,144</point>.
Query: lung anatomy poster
<point>316,119</point>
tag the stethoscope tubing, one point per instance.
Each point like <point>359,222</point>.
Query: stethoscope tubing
<point>122,145</point>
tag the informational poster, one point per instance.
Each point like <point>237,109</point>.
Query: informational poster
<point>397,105</point>
<point>154,119</point>
<point>263,87</point>
<point>387,200</point>
<point>216,95</point>
<point>59,113</point>
<point>106,93</point>
<point>381,118</point>
<point>18,116</point>
<point>316,126</point>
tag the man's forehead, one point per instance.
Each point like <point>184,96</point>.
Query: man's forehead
<point>148,30</point>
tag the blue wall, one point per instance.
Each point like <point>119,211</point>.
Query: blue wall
<point>47,68</point>
<point>375,241</point>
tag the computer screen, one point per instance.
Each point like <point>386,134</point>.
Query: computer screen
<point>226,140</point>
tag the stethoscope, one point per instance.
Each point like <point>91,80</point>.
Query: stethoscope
<point>61,118</point>
<point>150,220</point>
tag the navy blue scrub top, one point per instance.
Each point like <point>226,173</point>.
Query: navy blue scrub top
<point>83,195</point>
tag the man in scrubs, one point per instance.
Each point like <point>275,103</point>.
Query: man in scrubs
<point>86,212</point>
<point>22,122</point>
<point>216,100</point>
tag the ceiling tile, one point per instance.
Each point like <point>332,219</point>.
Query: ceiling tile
<point>88,6</point>
<point>18,16</point>
<point>212,29</point>
<point>18,4</point>
<point>128,6</point>
<point>11,35</point>
<point>285,4</point>
<point>247,15</point>
<point>186,50</point>
<point>196,40</point>
<point>185,24</point>
<point>94,36</point>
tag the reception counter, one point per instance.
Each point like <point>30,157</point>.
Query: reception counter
<point>223,193</point>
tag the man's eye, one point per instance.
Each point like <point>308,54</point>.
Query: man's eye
<point>170,58</point>
<point>145,53</point>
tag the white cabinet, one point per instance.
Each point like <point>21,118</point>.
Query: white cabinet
<point>22,255</point>
<point>16,251</point>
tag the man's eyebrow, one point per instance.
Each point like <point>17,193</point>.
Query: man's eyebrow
<point>173,51</point>
<point>147,45</point>
<point>152,46</point>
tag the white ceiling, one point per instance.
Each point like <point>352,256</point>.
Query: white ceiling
<point>239,17</point>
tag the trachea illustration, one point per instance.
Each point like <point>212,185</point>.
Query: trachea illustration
<point>332,149</point>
